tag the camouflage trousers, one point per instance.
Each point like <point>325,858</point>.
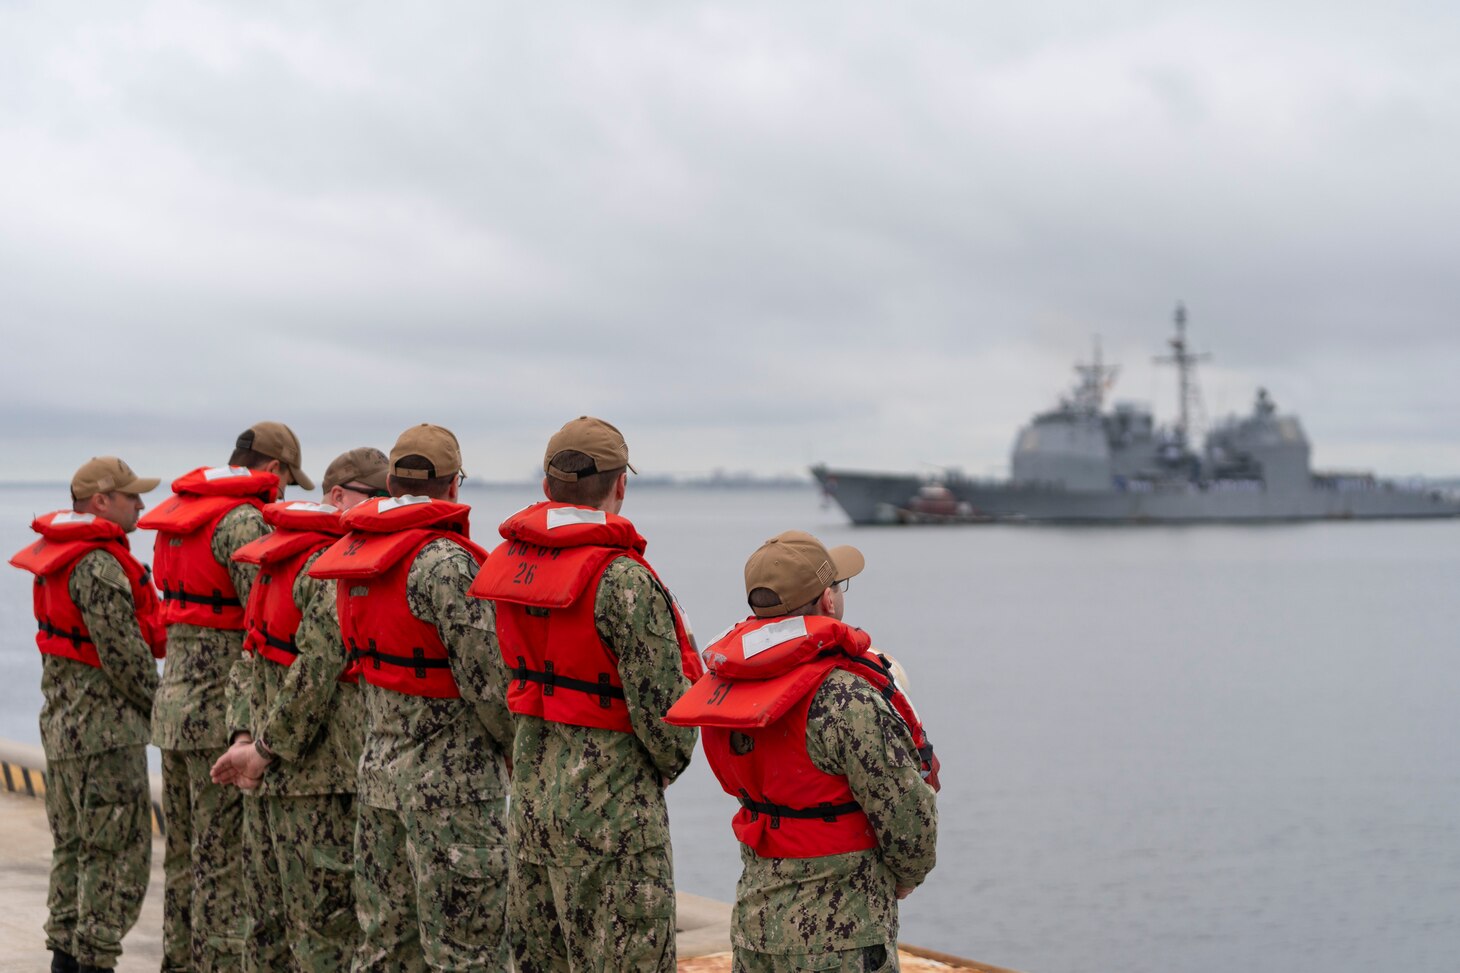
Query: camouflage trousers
<point>100,814</point>
<point>202,908</point>
<point>431,888</point>
<point>865,959</point>
<point>611,914</point>
<point>300,873</point>
<point>264,945</point>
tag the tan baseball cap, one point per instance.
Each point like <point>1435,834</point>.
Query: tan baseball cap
<point>436,444</point>
<point>798,568</point>
<point>594,438</point>
<point>103,474</point>
<point>364,464</point>
<point>276,441</point>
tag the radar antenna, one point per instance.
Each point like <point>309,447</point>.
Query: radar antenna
<point>1096,379</point>
<point>1185,361</point>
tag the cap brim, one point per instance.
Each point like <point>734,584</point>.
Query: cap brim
<point>297,476</point>
<point>847,561</point>
<point>143,484</point>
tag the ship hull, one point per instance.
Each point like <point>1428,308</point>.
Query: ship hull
<point>879,498</point>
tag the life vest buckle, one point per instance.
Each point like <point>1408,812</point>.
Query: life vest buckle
<point>549,681</point>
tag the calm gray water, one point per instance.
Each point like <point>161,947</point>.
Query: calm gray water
<point>1192,749</point>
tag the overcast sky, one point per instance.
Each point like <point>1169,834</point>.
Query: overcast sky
<point>753,235</point>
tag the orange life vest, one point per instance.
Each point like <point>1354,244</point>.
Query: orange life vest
<point>67,537</point>
<point>389,647</point>
<point>271,618</point>
<point>753,706</point>
<point>544,580</point>
<point>196,589</point>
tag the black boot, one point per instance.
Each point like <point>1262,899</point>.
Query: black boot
<point>63,962</point>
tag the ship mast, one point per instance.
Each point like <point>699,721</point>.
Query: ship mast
<point>1095,380</point>
<point>1185,361</point>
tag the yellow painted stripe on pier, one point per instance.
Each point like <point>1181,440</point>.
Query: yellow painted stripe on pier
<point>23,780</point>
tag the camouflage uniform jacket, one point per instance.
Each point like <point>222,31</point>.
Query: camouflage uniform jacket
<point>204,681</point>
<point>422,753</point>
<point>580,793</point>
<point>309,720</point>
<point>840,902</point>
<point>89,710</point>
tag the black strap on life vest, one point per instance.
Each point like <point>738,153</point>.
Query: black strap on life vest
<point>884,670</point>
<point>416,661</point>
<point>889,693</point>
<point>74,636</point>
<point>283,645</point>
<point>215,600</point>
<point>603,689</point>
<point>821,812</point>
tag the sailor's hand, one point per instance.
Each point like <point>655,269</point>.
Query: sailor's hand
<point>225,769</point>
<point>899,674</point>
<point>903,891</point>
<point>242,765</point>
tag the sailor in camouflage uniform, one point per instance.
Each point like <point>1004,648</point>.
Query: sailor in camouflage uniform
<point>298,767</point>
<point>430,845</point>
<point>100,628</point>
<point>596,652</point>
<point>203,695</point>
<point>805,724</point>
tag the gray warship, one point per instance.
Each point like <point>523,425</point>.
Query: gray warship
<point>1082,463</point>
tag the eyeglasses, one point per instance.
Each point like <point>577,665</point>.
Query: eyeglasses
<point>460,477</point>
<point>369,491</point>
<point>841,585</point>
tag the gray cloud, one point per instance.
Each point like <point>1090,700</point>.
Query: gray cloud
<point>754,236</point>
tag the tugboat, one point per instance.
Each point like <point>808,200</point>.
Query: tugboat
<point>935,504</point>
<point>1082,463</point>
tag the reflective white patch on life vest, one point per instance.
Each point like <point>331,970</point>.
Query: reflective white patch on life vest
<point>567,516</point>
<point>395,502</point>
<point>770,636</point>
<point>224,472</point>
<point>71,517</point>
<point>312,507</point>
